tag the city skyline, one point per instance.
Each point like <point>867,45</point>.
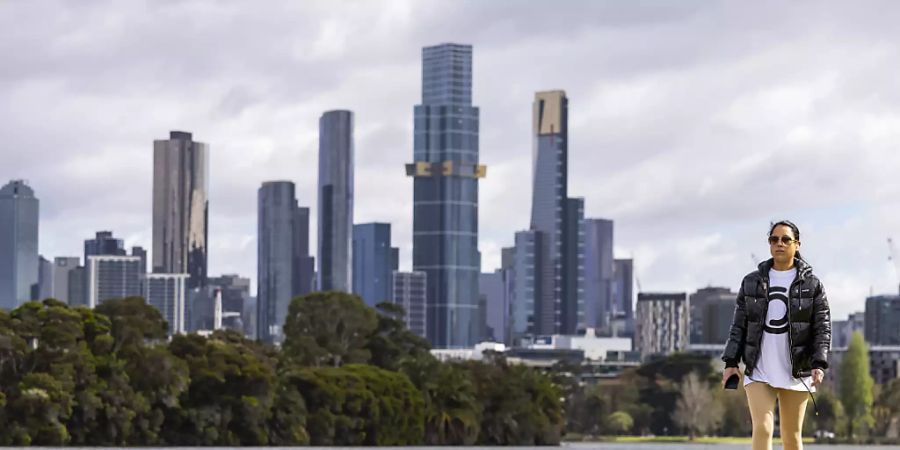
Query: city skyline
<point>650,120</point>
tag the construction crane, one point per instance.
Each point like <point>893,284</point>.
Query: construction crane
<point>892,257</point>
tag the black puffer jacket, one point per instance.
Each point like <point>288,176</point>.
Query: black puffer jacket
<point>808,321</point>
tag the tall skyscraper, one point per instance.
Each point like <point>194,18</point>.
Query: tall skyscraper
<point>18,243</point>
<point>167,292</point>
<point>572,309</point>
<point>445,195</point>
<point>662,323</point>
<point>283,270</point>
<point>496,294</point>
<point>548,206</point>
<point>711,309</point>
<point>882,320</point>
<point>62,270</point>
<point>336,201</point>
<point>525,282</point>
<point>409,290</point>
<point>599,274</point>
<point>372,262</point>
<point>112,276</point>
<point>305,265</point>
<point>103,244</point>
<point>623,294</point>
<point>181,207</point>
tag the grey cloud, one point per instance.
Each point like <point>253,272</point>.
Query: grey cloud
<point>690,121</point>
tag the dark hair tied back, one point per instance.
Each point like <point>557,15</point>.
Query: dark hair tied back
<point>793,228</point>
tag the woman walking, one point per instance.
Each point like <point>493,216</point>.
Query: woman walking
<point>782,332</point>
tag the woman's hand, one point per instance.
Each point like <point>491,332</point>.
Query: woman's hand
<point>728,372</point>
<point>818,375</point>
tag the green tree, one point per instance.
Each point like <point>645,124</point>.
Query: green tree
<point>287,422</point>
<point>72,346</point>
<point>41,406</point>
<point>328,329</point>
<point>830,417</point>
<point>619,422</point>
<point>391,342</point>
<point>887,407</point>
<point>451,407</point>
<point>360,405</point>
<point>13,349</point>
<point>106,403</point>
<point>626,394</point>
<point>139,335</point>
<point>696,410</point>
<point>586,407</point>
<point>134,323</point>
<point>856,386</point>
<point>521,406</point>
<point>658,384</point>
<point>161,379</point>
<point>230,393</point>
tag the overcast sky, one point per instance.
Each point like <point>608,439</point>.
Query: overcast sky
<point>692,124</point>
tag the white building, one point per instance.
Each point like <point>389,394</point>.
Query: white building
<point>112,276</point>
<point>167,292</point>
<point>595,348</point>
<point>662,323</point>
<point>468,354</point>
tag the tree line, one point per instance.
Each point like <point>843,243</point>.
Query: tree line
<point>346,374</point>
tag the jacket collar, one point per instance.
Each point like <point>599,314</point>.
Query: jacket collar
<point>803,267</point>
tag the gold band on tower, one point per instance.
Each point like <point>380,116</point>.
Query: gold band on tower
<point>446,169</point>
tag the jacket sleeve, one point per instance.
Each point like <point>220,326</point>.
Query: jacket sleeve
<point>821,328</point>
<point>734,348</point>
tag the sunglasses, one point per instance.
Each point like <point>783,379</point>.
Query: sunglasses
<point>786,240</point>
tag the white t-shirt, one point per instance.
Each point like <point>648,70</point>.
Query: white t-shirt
<point>774,363</point>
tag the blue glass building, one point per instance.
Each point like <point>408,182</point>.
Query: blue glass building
<point>104,243</point>
<point>548,205</point>
<point>599,282</point>
<point>373,262</point>
<point>572,309</point>
<point>284,268</point>
<point>524,265</point>
<point>18,243</point>
<point>445,195</point>
<point>335,201</point>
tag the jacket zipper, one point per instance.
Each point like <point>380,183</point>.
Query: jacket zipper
<point>791,343</point>
<point>789,331</point>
